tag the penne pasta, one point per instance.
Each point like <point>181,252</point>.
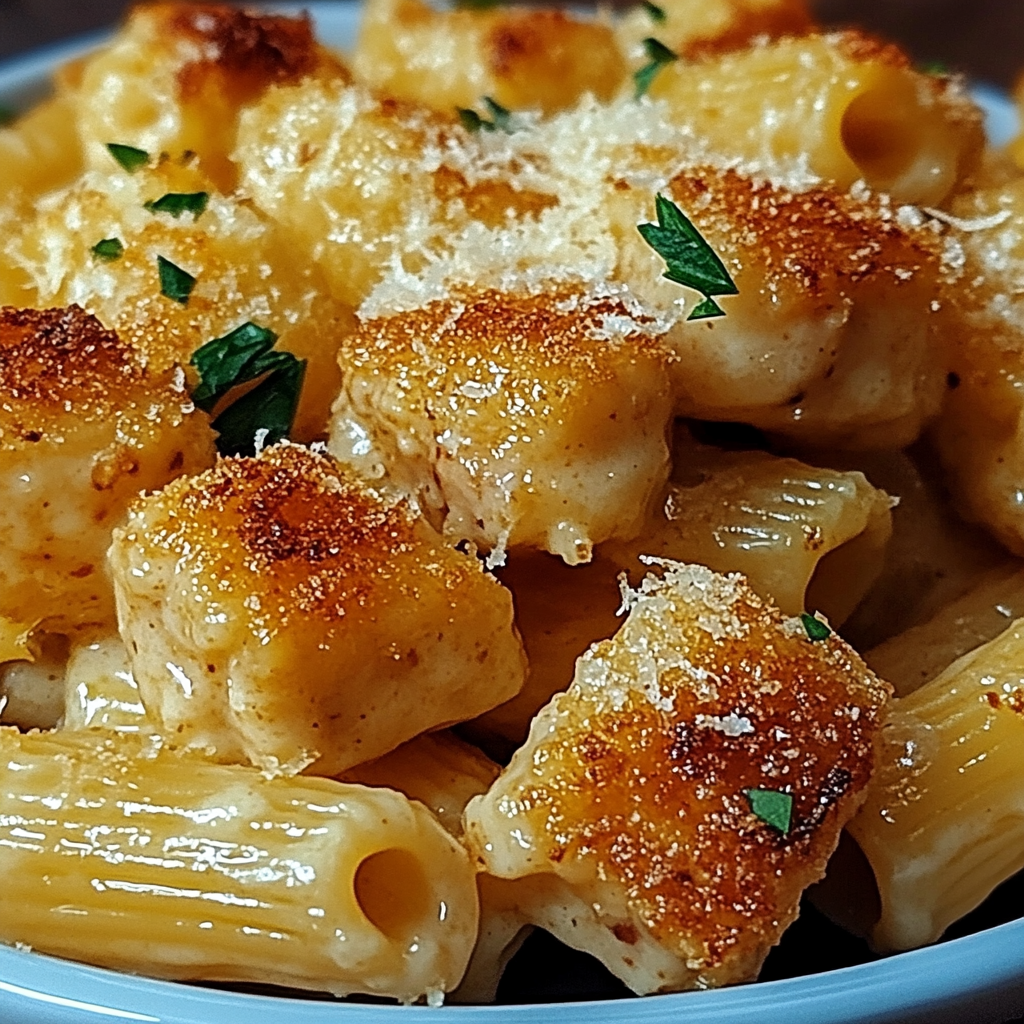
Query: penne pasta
<point>100,691</point>
<point>194,871</point>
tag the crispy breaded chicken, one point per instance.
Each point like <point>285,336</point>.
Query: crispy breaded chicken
<point>84,426</point>
<point>637,803</point>
<point>280,613</point>
<point>513,420</point>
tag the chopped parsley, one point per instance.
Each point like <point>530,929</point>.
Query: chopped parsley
<point>241,357</point>
<point>175,283</point>
<point>658,55</point>
<point>108,249</point>
<point>690,261</point>
<point>935,68</point>
<point>130,158</point>
<point>501,118</point>
<point>656,13</point>
<point>7,116</point>
<point>816,629</point>
<point>177,203</point>
<point>772,806</point>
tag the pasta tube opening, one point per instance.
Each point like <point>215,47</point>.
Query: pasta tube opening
<point>393,892</point>
<point>899,145</point>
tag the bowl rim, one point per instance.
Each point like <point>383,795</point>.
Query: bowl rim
<point>38,989</point>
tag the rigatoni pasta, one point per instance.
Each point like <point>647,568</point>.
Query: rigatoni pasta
<point>194,870</point>
<point>943,823</point>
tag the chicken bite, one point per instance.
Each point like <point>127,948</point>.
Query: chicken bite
<point>279,613</point>
<point>673,804</point>
<point>84,426</point>
<point>514,420</point>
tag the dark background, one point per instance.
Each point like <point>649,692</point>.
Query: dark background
<point>981,37</point>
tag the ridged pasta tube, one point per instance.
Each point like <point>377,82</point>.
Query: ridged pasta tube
<point>943,823</point>
<point>142,861</point>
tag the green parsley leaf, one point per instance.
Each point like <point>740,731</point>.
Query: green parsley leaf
<point>177,203</point>
<point>472,121</point>
<point>656,13</point>
<point>659,55</point>
<point>108,249</point>
<point>130,158</point>
<point>772,807</point>
<point>816,629</point>
<point>690,261</point>
<point>502,119</point>
<point>270,407</point>
<point>936,68</point>
<point>227,362</point>
<point>175,283</point>
<point>241,357</point>
<point>7,116</point>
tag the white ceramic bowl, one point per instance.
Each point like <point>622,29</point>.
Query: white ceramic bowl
<point>978,978</point>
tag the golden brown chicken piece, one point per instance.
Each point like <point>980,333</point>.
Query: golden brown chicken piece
<point>84,426</point>
<point>514,420</point>
<point>672,805</point>
<point>280,613</point>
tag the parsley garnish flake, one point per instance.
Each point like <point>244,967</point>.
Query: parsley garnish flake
<point>816,629</point>
<point>240,357</point>
<point>656,13</point>
<point>130,158</point>
<point>108,249</point>
<point>690,261</point>
<point>175,283</point>
<point>772,806</point>
<point>658,55</point>
<point>177,203</point>
<point>502,119</point>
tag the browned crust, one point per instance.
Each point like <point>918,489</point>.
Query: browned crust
<point>550,333</point>
<point>251,51</point>
<point>819,239</point>
<point>751,21</point>
<point>696,864</point>
<point>316,538</point>
<point>865,48</point>
<point>52,357</point>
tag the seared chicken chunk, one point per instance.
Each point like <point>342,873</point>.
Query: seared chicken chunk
<point>84,426</point>
<point>674,803</point>
<point>281,614</point>
<point>536,421</point>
